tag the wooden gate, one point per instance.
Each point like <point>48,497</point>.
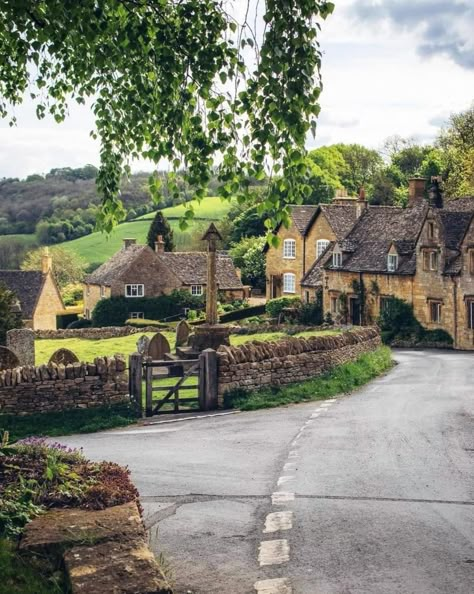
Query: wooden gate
<point>178,385</point>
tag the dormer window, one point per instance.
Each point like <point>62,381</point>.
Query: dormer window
<point>392,262</point>
<point>430,260</point>
<point>321,245</point>
<point>431,230</point>
<point>337,260</point>
<point>289,249</point>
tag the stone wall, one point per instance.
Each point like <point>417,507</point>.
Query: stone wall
<point>258,364</point>
<point>22,343</point>
<point>96,333</point>
<point>52,388</point>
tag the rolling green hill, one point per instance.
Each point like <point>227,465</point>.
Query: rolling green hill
<point>97,247</point>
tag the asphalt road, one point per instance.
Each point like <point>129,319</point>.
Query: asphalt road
<point>372,493</point>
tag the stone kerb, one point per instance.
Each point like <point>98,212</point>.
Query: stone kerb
<point>257,364</point>
<point>56,387</point>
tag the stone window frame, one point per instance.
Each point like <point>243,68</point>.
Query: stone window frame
<point>197,290</point>
<point>431,230</point>
<point>430,260</point>
<point>289,249</point>
<point>469,300</point>
<point>102,291</point>
<point>383,299</point>
<point>337,259</point>
<point>392,262</point>
<point>287,276</point>
<point>137,315</point>
<point>137,289</point>
<point>470,264</point>
<point>435,310</point>
<point>321,246</point>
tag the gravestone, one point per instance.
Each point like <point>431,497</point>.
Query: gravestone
<point>183,331</point>
<point>142,345</point>
<point>22,342</point>
<point>8,359</point>
<point>158,347</point>
<point>64,356</point>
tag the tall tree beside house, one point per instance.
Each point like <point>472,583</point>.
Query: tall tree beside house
<point>160,226</point>
<point>8,318</point>
<point>248,255</point>
<point>68,267</point>
<point>165,97</point>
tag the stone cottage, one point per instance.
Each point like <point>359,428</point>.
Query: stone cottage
<point>39,299</point>
<point>138,271</point>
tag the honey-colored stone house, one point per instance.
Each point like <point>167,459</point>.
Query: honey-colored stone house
<point>39,299</point>
<point>138,271</point>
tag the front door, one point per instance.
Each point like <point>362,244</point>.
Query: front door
<point>276,286</point>
<point>354,311</point>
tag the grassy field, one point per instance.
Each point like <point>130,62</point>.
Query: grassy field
<point>97,247</point>
<point>27,240</point>
<point>87,350</point>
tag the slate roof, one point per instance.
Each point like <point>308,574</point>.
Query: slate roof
<point>115,266</point>
<point>314,277</point>
<point>191,268</point>
<point>27,286</point>
<point>341,217</point>
<point>463,204</point>
<point>454,226</point>
<point>366,247</point>
<point>303,217</point>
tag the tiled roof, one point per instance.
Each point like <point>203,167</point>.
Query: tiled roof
<point>376,230</point>
<point>314,277</point>
<point>116,265</point>
<point>302,217</point>
<point>454,226</point>
<point>27,285</point>
<point>463,204</point>
<point>341,217</point>
<point>191,268</point>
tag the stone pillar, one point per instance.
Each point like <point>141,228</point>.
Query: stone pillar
<point>22,343</point>
<point>212,236</point>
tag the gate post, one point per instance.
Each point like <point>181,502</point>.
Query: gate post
<point>135,365</point>
<point>208,380</point>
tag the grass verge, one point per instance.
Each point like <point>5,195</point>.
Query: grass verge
<point>341,380</point>
<point>52,424</point>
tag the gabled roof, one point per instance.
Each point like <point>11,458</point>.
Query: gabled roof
<point>368,244</point>
<point>303,217</point>
<point>117,265</point>
<point>463,204</point>
<point>454,226</point>
<point>314,277</point>
<point>191,268</point>
<point>27,286</point>
<point>341,217</point>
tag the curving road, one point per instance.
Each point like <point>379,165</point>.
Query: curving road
<point>370,494</point>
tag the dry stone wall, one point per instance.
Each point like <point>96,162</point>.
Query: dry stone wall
<point>52,388</point>
<point>96,333</point>
<point>258,364</point>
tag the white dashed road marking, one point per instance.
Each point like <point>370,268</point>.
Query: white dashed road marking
<point>273,552</point>
<point>282,498</point>
<point>289,466</point>
<point>285,479</point>
<point>277,521</point>
<point>276,586</point>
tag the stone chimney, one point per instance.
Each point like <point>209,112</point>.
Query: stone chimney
<point>416,190</point>
<point>159,244</point>
<point>341,198</point>
<point>361,204</point>
<point>127,242</point>
<point>46,261</point>
<point>238,272</point>
<point>435,192</point>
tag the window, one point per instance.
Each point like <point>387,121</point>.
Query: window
<point>337,260</point>
<point>87,314</point>
<point>289,285</point>
<point>102,291</point>
<point>134,290</point>
<point>321,245</point>
<point>471,261</point>
<point>137,315</point>
<point>430,260</point>
<point>196,290</point>
<point>430,230</point>
<point>289,249</point>
<point>334,305</point>
<point>392,263</point>
<point>470,315</point>
<point>306,296</point>
<point>435,311</point>
<point>384,303</point>
<point>88,290</point>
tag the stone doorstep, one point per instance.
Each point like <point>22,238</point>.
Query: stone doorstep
<point>59,529</point>
<point>115,568</point>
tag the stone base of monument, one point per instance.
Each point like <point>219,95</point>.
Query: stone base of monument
<point>209,336</point>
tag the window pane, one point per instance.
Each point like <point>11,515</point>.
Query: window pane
<point>321,245</point>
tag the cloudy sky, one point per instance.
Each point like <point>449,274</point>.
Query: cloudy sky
<point>389,67</point>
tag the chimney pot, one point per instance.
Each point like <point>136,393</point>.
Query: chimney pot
<point>46,261</point>
<point>159,244</point>
<point>128,241</point>
<point>416,190</point>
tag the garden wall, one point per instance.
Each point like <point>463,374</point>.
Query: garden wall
<point>96,333</point>
<point>258,364</point>
<point>53,388</point>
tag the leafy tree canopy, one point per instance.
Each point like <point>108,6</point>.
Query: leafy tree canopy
<point>168,80</point>
<point>160,226</point>
<point>68,267</point>
<point>249,257</point>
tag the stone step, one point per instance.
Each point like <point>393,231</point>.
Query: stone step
<point>187,352</point>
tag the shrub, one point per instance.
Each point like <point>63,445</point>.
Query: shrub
<point>80,323</point>
<point>398,318</point>
<point>437,335</point>
<point>274,306</point>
